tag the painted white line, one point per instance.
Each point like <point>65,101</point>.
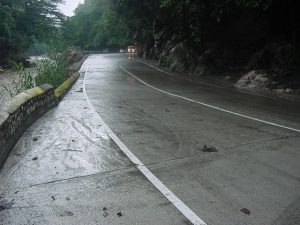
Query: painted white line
<point>200,82</point>
<point>186,211</point>
<point>182,78</point>
<point>210,106</point>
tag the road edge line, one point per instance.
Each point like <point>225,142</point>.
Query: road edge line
<point>203,83</point>
<point>210,106</point>
<point>183,208</point>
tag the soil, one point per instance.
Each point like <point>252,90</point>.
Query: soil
<point>8,78</point>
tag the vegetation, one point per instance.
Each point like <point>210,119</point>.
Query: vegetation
<point>231,34</point>
<point>111,24</point>
<point>51,70</point>
<point>199,21</point>
<point>247,24</point>
<point>23,22</point>
<point>96,25</point>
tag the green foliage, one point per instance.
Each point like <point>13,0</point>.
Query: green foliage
<point>38,48</point>
<point>51,70</point>
<point>96,25</point>
<point>24,21</point>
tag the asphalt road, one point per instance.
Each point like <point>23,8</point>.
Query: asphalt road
<point>129,138</point>
<point>256,167</point>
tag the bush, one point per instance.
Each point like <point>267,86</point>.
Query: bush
<point>52,70</point>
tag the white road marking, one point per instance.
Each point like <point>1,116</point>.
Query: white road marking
<point>210,106</point>
<point>186,211</point>
<point>200,82</point>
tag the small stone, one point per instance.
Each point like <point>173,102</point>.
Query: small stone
<point>35,139</point>
<point>119,214</point>
<point>66,213</point>
<point>208,148</point>
<point>245,211</point>
<point>35,158</point>
<point>3,207</point>
<point>228,77</point>
<point>53,197</point>
<point>289,91</point>
<point>104,208</point>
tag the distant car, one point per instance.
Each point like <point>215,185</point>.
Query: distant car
<point>122,50</point>
<point>131,49</point>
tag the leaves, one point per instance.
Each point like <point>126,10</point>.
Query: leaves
<point>96,25</point>
<point>24,21</point>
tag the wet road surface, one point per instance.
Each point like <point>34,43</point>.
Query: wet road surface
<point>66,169</point>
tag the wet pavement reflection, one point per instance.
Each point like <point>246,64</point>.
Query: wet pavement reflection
<point>67,170</point>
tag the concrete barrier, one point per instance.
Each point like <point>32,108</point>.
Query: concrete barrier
<point>17,114</point>
<point>65,86</point>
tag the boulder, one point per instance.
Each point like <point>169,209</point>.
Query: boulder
<point>273,56</point>
<point>164,59</point>
<point>73,55</point>
<point>179,58</point>
<point>207,64</point>
<point>254,79</point>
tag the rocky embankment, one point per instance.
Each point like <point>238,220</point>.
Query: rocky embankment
<point>73,56</point>
<point>253,46</point>
<point>271,69</point>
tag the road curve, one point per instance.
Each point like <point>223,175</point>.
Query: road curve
<point>256,166</point>
<point>125,146</point>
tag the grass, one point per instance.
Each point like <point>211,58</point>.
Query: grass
<point>24,82</point>
<point>52,70</point>
<point>49,71</point>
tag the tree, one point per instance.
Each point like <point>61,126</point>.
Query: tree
<point>23,22</point>
<point>96,25</point>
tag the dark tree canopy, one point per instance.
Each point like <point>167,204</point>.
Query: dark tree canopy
<point>22,22</point>
<point>96,25</point>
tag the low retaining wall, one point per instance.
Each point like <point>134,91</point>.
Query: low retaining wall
<point>21,111</point>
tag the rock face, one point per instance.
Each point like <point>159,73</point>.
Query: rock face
<point>178,58</point>
<point>74,58</point>
<point>73,55</point>
<point>274,56</point>
<point>253,62</point>
<point>254,79</point>
<point>277,60</point>
<point>207,63</point>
